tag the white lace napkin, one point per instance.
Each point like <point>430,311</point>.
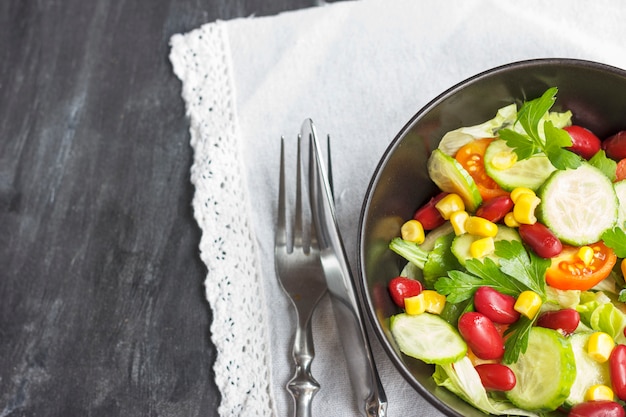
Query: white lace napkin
<point>360,70</point>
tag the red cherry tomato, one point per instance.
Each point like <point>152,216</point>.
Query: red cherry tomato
<point>568,272</point>
<point>603,408</point>
<point>496,306</point>
<point>471,157</point>
<point>403,287</point>
<point>495,209</point>
<point>565,321</point>
<point>615,146</point>
<point>540,239</point>
<point>617,368</point>
<point>428,214</point>
<point>584,142</point>
<point>620,171</point>
<point>481,335</point>
<point>496,377</point>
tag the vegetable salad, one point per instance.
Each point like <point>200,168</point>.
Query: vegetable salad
<point>514,287</point>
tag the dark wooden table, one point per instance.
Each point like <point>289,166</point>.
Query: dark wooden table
<point>102,308</point>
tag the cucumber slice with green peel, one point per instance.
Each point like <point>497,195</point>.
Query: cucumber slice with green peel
<point>529,173</point>
<point>578,205</point>
<point>461,244</point>
<point>427,337</point>
<point>620,192</point>
<point>588,371</point>
<point>545,372</point>
<point>450,176</point>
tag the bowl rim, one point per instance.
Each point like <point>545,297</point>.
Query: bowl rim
<point>361,274</point>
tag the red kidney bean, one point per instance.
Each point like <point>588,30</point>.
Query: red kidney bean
<point>584,142</point>
<point>496,208</point>
<point>615,146</point>
<point>496,377</point>
<point>565,320</point>
<point>428,214</point>
<point>602,408</point>
<point>403,287</point>
<point>540,239</point>
<point>481,335</point>
<point>496,306</point>
<point>617,369</point>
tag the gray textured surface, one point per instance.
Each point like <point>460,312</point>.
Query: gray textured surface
<point>102,308</point>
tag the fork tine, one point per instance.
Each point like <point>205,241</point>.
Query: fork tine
<point>329,168</point>
<point>298,226</point>
<point>281,227</point>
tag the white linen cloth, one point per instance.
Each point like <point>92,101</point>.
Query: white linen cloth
<point>360,70</point>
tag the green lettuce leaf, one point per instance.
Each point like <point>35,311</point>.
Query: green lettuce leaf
<point>462,379</point>
<point>455,139</point>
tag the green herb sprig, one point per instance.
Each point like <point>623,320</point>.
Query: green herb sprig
<point>555,140</point>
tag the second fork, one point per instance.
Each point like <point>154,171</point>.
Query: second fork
<point>299,268</point>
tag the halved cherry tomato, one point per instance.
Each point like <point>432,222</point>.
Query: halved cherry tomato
<point>471,157</point>
<point>620,171</point>
<point>604,408</point>
<point>617,369</point>
<point>481,335</point>
<point>584,142</point>
<point>428,214</point>
<point>403,287</point>
<point>496,377</point>
<point>569,272</point>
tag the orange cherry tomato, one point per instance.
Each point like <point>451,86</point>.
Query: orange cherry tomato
<point>569,272</point>
<point>471,157</point>
<point>620,171</point>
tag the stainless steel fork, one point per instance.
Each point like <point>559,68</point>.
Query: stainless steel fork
<point>299,268</point>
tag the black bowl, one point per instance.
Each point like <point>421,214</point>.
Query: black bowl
<point>596,95</point>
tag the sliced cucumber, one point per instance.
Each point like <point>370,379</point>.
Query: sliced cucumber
<point>578,205</point>
<point>620,191</point>
<point>529,173</point>
<point>588,371</point>
<point>545,373</point>
<point>461,244</point>
<point>450,176</point>
<point>427,337</point>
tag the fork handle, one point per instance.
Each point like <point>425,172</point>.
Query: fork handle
<point>302,385</point>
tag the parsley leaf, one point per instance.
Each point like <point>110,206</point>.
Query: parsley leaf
<point>526,267</point>
<point>531,116</point>
<point>615,239</point>
<point>533,111</point>
<point>517,341</point>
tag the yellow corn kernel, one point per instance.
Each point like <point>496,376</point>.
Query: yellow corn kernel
<point>427,301</point>
<point>528,304</point>
<point>585,254</point>
<point>478,226</point>
<point>599,392</point>
<point>599,346</point>
<point>519,191</point>
<point>415,305</point>
<point>449,204</point>
<point>413,231</point>
<point>434,301</point>
<point>482,247</point>
<point>504,160</point>
<point>509,220</point>
<point>458,219</point>
<point>524,208</point>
